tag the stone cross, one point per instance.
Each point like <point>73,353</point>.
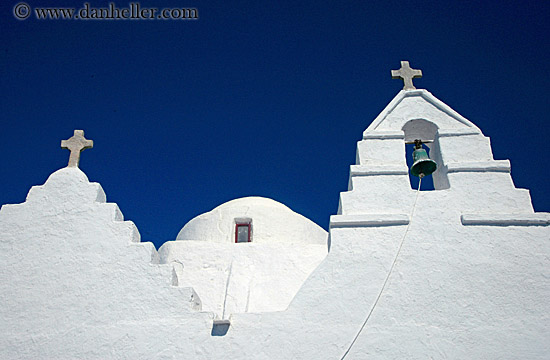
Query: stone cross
<point>407,74</point>
<point>76,144</point>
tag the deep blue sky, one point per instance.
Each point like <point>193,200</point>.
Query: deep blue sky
<point>262,98</point>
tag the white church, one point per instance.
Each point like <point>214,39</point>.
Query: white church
<point>458,272</point>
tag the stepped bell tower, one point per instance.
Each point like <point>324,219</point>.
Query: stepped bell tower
<point>440,271</point>
<point>467,178</point>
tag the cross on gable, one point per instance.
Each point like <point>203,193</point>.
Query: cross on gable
<point>407,74</point>
<point>76,144</point>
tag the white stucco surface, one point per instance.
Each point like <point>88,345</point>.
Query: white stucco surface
<point>466,275</point>
<point>272,222</point>
<point>236,278</point>
<point>75,275</point>
<point>263,275</point>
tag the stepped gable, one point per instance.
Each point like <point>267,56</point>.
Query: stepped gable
<point>466,171</point>
<point>73,268</point>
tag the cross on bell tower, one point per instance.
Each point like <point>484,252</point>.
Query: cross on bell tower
<point>407,74</point>
<point>76,144</point>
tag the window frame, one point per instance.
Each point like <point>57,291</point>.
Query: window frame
<point>237,231</point>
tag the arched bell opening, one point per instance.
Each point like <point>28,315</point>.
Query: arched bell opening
<point>422,135</point>
<point>427,181</point>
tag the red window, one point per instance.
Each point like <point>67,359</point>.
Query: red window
<point>242,233</point>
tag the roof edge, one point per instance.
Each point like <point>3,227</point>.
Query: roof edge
<point>426,95</point>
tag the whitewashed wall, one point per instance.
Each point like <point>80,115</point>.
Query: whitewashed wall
<point>263,275</point>
<point>472,279</point>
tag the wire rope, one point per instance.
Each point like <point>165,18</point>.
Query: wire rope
<point>388,276</point>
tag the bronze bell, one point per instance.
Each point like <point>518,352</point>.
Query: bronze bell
<point>422,165</point>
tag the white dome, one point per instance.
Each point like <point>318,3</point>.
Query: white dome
<point>271,222</point>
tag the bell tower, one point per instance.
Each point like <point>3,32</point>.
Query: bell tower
<point>467,178</point>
